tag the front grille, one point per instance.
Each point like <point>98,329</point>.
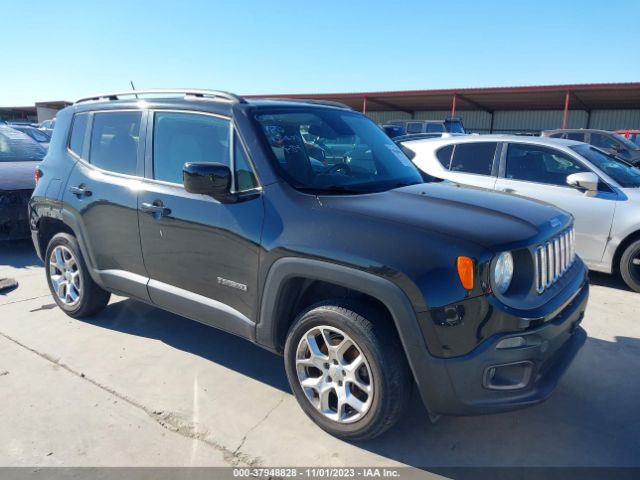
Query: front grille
<point>553,258</point>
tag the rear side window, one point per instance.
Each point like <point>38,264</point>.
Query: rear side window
<point>444,156</point>
<point>114,141</point>
<point>577,136</point>
<point>180,138</point>
<point>78,131</point>
<point>476,158</point>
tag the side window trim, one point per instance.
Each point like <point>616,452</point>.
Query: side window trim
<point>235,136</point>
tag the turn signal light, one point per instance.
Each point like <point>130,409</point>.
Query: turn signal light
<point>465,272</point>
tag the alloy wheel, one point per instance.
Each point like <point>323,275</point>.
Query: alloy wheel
<point>334,374</point>
<point>64,275</point>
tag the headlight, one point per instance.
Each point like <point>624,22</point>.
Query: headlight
<point>503,272</point>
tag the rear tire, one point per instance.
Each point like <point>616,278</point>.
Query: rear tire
<point>68,278</point>
<point>630,266</point>
<point>347,369</point>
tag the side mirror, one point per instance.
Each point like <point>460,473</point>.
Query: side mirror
<point>584,180</point>
<point>212,179</point>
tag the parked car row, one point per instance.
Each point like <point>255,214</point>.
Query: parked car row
<point>19,155</point>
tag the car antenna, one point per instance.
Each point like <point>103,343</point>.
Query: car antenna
<point>133,87</point>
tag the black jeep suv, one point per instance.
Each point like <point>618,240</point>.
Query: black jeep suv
<point>303,228</point>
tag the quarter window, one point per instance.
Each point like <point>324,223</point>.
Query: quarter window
<point>474,158</point>
<point>181,138</point>
<point>539,164</point>
<point>114,141</point>
<point>78,131</point>
<point>245,178</point>
<point>579,137</point>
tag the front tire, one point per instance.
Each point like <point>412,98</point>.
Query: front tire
<point>69,281</point>
<point>630,266</point>
<point>347,369</point>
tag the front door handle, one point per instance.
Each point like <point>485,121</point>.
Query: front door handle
<point>507,190</point>
<point>156,209</point>
<point>80,191</point>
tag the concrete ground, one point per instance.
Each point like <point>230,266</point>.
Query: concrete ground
<point>136,386</point>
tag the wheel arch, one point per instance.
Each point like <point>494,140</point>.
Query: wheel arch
<point>282,289</point>
<point>622,246</point>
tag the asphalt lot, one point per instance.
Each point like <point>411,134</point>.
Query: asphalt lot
<point>136,386</point>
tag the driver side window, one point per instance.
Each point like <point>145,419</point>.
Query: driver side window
<point>532,163</point>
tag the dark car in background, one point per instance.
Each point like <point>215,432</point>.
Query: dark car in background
<point>610,142</point>
<point>40,136</point>
<point>19,156</point>
<point>449,124</point>
<point>393,131</point>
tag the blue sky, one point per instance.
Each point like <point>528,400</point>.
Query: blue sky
<point>62,50</point>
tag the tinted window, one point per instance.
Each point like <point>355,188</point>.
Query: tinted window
<point>181,138</point>
<point>16,146</point>
<point>474,158</point>
<point>435,127</point>
<point>577,136</point>
<point>357,157</point>
<point>414,127</point>
<point>245,178</point>
<point>621,172</point>
<point>602,141</point>
<point>78,130</point>
<point>444,156</point>
<point>114,141</point>
<point>539,164</point>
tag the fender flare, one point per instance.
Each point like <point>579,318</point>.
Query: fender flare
<point>426,371</point>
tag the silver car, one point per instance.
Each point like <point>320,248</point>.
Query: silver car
<point>601,192</point>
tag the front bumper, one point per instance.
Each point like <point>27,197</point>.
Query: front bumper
<point>14,218</point>
<point>489,380</point>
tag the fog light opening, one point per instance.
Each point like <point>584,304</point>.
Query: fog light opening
<point>511,342</point>
<point>511,376</point>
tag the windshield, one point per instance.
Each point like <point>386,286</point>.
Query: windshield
<point>623,173</point>
<point>334,150</point>
<point>627,143</point>
<point>17,147</point>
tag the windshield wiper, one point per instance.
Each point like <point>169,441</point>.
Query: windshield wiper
<point>328,189</point>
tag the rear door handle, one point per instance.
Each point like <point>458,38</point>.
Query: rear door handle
<point>507,190</point>
<point>157,209</point>
<point>80,191</point>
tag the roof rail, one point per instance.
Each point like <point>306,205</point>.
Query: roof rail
<point>330,103</point>
<point>202,94</point>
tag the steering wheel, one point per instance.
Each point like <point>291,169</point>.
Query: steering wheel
<point>339,166</point>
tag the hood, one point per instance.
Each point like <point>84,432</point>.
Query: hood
<point>17,175</point>
<point>486,218</point>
